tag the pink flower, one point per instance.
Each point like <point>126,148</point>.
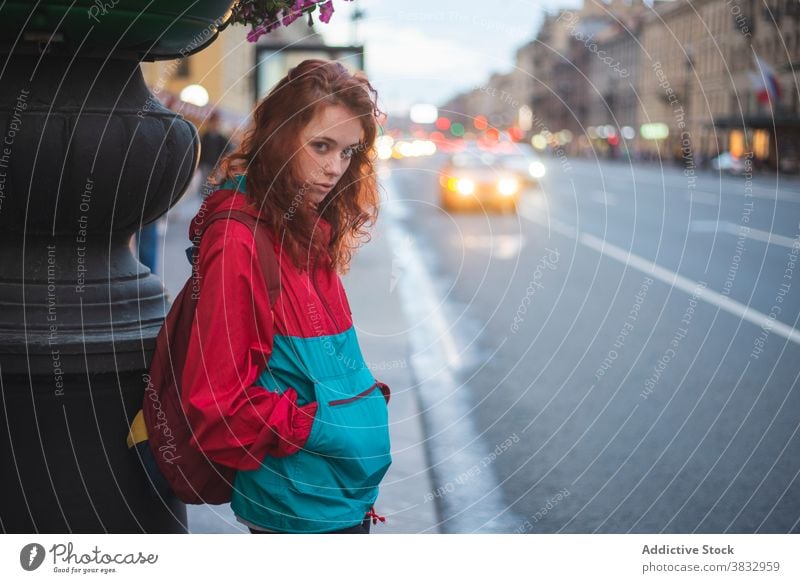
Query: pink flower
<point>284,12</point>
<point>272,25</point>
<point>256,33</point>
<point>326,11</point>
<point>291,16</point>
<point>296,10</point>
<point>268,24</point>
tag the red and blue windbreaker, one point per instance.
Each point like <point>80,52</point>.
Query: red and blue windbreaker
<point>281,393</point>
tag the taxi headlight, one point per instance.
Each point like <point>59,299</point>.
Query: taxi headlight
<point>507,186</point>
<point>465,186</point>
<point>537,169</point>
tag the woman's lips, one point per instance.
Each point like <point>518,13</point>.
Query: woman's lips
<point>326,186</point>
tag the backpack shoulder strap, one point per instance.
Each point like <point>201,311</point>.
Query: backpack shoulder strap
<point>267,259</point>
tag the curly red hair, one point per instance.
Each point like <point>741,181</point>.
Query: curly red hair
<point>268,149</point>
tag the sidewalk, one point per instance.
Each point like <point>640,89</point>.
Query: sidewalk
<point>381,326</point>
<point>382,329</point>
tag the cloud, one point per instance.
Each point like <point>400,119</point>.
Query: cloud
<point>406,52</point>
<point>418,52</point>
<point>413,66</point>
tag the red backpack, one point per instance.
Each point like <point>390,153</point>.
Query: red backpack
<point>160,432</point>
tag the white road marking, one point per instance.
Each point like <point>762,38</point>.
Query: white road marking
<point>737,230</point>
<point>605,198</point>
<point>730,185</point>
<point>729,189</point>
<point>671,278</point>
<point>498,246</point>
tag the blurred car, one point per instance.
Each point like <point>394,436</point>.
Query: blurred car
<point>524,160</point>
<point>726,162</point>
<point>476,177</point>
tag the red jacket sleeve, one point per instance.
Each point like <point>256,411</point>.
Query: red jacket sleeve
<point>234,422</point>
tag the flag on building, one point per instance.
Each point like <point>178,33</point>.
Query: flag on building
<point>768,89</point>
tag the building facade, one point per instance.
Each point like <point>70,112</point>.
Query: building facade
<point>587,66</point>
<point>715,66</point>
<point>656,80</point>
<point>614,111</point>
<point>503,101</point>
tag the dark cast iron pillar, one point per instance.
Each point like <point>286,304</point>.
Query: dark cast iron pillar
<point>78,313</point>
<point>87,155</point>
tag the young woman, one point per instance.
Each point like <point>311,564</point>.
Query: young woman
<point>281,392</point>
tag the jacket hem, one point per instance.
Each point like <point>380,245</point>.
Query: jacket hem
<point>271,528</point>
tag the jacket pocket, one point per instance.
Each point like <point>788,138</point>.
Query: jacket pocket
<point>348,448</point>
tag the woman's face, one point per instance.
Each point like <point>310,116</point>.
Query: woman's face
<point>326,145</point>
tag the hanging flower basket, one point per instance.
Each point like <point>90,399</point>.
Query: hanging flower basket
<point>267,15</point>
<point>143,29</point>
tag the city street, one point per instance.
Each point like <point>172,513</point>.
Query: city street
<point>621,356</point>
<point>400,268</point>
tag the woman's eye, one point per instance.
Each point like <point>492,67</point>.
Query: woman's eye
<point>321,147</point>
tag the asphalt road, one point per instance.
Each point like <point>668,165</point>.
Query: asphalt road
<point>627,344</point>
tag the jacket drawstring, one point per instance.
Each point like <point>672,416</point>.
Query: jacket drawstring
<point>375,516</point>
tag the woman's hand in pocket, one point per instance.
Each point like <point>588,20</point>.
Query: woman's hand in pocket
<point>294,434</point>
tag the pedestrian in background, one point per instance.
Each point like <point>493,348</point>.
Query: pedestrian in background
<point>214,145</point>
<point>281,392</point>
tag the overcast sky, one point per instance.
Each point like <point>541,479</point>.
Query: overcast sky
<point>427,51</point>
